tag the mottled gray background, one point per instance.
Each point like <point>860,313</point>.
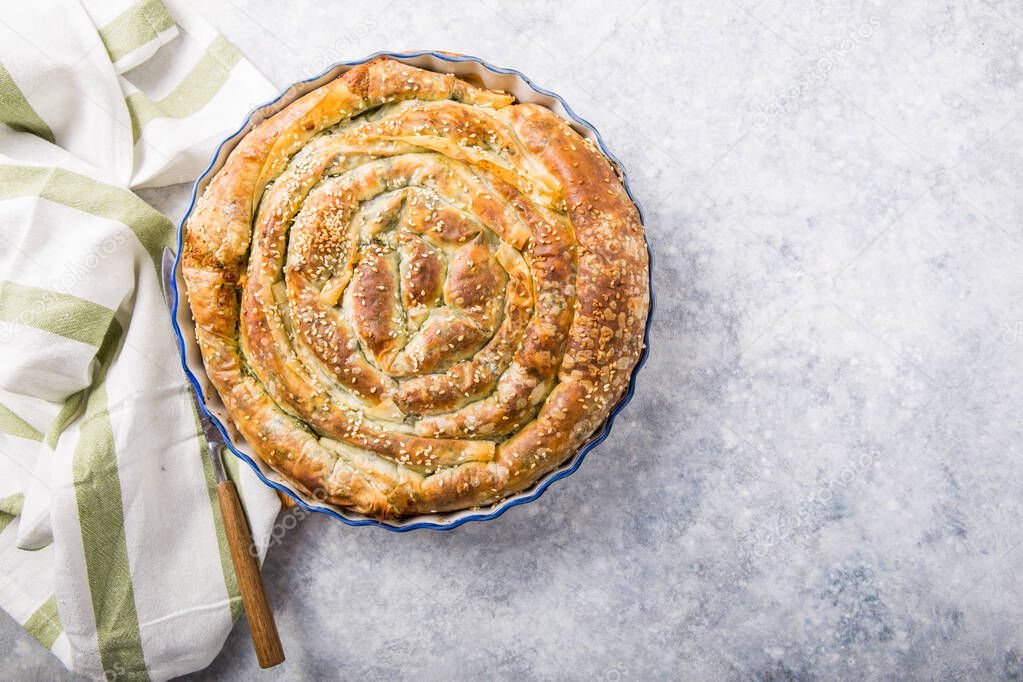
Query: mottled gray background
<point>820,474</point>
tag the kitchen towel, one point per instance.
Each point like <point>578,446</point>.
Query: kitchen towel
<point>112,545</point>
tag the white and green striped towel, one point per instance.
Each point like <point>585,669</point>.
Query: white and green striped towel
<point>112,547</point>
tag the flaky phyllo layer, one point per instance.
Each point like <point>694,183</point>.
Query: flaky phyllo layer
<point>413,294</point>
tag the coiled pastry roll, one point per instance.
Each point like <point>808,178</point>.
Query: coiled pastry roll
<point>413,294</point>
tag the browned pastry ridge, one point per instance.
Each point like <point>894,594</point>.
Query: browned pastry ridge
<point>413,294</point>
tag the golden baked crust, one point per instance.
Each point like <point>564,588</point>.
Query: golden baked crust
<point>413,294</point>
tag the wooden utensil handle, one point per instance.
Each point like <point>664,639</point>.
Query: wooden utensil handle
<point>250,582</point>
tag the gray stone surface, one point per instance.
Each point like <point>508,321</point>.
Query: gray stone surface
<point>820,474</point>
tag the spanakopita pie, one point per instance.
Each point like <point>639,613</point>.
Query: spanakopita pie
<point>413,294</point>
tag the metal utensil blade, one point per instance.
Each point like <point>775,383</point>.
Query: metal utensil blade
<point>213,436</point>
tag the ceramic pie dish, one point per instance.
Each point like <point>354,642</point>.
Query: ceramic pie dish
<point>419,290</point>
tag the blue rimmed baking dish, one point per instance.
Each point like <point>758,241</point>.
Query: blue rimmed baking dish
<point>493,77</point>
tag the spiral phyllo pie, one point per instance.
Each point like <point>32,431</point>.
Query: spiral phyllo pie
<point>413,294</point>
